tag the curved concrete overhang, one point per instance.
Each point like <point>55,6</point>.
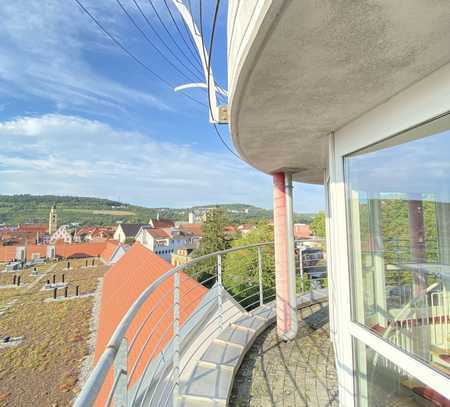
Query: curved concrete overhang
<point>308,68</point>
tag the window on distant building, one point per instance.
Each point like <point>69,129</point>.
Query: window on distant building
<point>398,194</point>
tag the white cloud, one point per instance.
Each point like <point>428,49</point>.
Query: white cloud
<point>44,52</point>
<point>57,154</point>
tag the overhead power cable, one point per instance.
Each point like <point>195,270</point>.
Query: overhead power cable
<point>224,142</point>
<point>146,37</point>
<point>188,34</point>
<point>188,58</point>
<point>141,11</point>
<point>222,98</point>
<point>130,54</point>
<point>192,16</point>
<point>194,54</point>
<point>211,44</point>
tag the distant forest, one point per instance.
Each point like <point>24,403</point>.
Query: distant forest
<point>15,209</point>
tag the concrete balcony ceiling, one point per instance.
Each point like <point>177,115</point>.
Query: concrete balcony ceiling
<point>307,68</point>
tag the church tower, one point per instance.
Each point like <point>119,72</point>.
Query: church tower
<point>52,221</point>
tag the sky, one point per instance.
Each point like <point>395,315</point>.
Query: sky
<point>414,169</point>
<point>78,116</point>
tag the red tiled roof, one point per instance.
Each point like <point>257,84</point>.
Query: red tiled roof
<point>93,249</point>
<point>158,233</point>
<point>32,228</point>
<point>7,253</point>
<point>193,228</point>
<point>36,248</point>
<point>110,249</point>
<point>123,283</point>
<point>163,223</point>
<point>302,231</point>
<point>95,231</point>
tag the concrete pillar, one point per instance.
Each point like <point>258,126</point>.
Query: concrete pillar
<point>284,265</point>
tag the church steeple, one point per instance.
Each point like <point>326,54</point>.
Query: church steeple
<point>52,221</point>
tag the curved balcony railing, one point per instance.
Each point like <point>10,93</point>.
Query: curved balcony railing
<point>155,344</point>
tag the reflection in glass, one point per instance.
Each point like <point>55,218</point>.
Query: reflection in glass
<point>381,383</point>
<point>399,209</point>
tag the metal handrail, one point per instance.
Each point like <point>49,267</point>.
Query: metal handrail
<point>93,385</point>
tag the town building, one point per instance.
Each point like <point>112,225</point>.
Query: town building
<point>127,231</point>
<point>302,231</point>
<point>161,223</point>
<point>245,228</point>
<point>195,229</point>
<point>89,233</point>
<point>166,241</point>
<point>113,251</point>
<point>197,216</point>
<point>63,233</point>
<point>26,232</point>
<point>181,256</point>
<point>52,220</point>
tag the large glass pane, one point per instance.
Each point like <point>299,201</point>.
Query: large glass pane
<point>399,217</point>
<point>380,383</point>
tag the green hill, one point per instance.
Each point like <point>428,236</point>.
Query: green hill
<point>15,209</point>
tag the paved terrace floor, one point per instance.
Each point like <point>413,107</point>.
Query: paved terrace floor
<point>296,373</point>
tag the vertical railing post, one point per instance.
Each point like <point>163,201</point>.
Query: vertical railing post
<point>300,262</point>
<point>176,338</point>
<point>219,287</point>
<point>121,370</point>
<point>260,276</point>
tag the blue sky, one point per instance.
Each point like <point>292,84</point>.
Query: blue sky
<point>79,117</point>
<point>416,168</point>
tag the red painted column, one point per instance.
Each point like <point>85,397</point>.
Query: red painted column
<point>284,321</point>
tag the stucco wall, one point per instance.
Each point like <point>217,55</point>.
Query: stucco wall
<point>244,18</point>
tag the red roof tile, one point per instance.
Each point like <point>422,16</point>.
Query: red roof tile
<point>92,249</point>
<point>193,228</point>
<point>158,233</point>
<point>302,231</point>
<point>162,223</point>
<point>110,249</point>
<point>32,228</point>
<point>7,253</point>
<point>123,283</point>
<point>36,248</point>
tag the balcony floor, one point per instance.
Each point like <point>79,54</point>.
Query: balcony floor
<point>297,373</point>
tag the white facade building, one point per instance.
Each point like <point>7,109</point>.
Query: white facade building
<point>355,96</point>
<point>127,231</point>
<point>165,242</point>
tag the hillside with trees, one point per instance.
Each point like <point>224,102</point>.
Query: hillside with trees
<point>15,209</point>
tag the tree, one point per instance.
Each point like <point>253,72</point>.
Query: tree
<point>318,225</point>
<point>214,239</point>
<point>241,272</point>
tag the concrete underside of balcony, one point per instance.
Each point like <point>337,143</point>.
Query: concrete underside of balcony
<point>297,373</point>
<point>305,69</point>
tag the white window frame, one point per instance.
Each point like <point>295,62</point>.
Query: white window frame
<point>424,101</point>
